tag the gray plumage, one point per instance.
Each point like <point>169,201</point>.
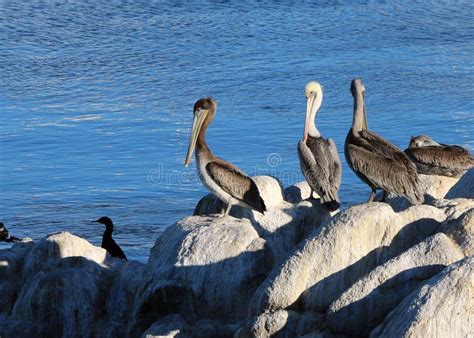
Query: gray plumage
<point>227,182</point>
<point>432,158</point>
<point>376,161</point>
<point>236,183</point>
<point>321,168</point>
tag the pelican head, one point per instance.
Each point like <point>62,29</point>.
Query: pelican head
<point>357,87</point>
<point>314,95</point>
<point>422,141</point>
<point>202,108</point>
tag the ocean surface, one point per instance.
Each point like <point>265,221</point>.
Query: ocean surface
<point>96,98</point>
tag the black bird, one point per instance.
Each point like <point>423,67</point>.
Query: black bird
<point>4,236</point>
<point>108,242</point>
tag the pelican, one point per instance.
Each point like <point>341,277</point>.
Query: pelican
<point>433,158</point>
<point>227,182</point>
<point>377,162</point>
<point>319,159</point>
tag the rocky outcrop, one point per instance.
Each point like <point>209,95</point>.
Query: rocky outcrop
<point>461,230</point>
<point>280,323</point>
<point>440,307</point>
<point>199,268</point>
<point>296,271</point>
<point>366,303</point>
<point>298,192</point>
<point>175,326</point>
<point>341,252</point>
<point>463,187</point>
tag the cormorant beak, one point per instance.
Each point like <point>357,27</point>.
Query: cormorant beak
<point>309,110</point>
<point>198,120</point>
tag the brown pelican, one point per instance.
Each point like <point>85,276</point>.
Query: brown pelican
<point>433,158</point>
<point>377,162</point>
<point>108,242</point>
<point>319,160</point>
<point>230,184</point>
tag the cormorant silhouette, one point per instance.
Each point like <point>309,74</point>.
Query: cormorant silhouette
<point>4,236</point>
<point>108,242</point>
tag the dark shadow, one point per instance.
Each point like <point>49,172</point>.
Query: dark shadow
<point>167,295</point>
<point>361,317</point>
<point>58,297</point>
<point>342,280</point>
<point>460,189</point>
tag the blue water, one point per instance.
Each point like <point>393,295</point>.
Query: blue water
<point>96,98</point>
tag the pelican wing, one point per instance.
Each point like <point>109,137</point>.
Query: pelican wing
<point>335,163</point>
<point>452,157</point>
<point>384,165</point>
<point>377,144</point>
<point>321,167</point>
<point>233,181</point>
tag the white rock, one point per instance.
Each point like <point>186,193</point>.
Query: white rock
<point>454,208</point>
<point>341,252</point>
<point>443,306</point>
<point>58,246</point>
<point>167,327</point>
<point>464,188</point>
<point>201,267</point>
<point>270,190</point>
<point>284,227</point>
<point>280,323</point>
<point>437,186</point>
<point>364,305</point>
<point>461,230</point>
<point>298,192</point>
<point>60,300</point>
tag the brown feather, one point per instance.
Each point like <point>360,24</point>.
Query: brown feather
<point>443,160</point>
<point>382,165</point>
<point>234,181</point>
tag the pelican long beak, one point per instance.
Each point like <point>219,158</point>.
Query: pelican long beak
<point>309,107</point>
<point>198,121</point>
<point>366,124</point>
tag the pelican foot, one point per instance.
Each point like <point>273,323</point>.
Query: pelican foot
<point>372,196</point>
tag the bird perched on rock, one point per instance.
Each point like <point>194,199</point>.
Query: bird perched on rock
<point>227,182</point>
<point>5,236</point>
<point>108,242</point>
<point>319,159</point>
<point>376,161</point>
<point>433,158</point>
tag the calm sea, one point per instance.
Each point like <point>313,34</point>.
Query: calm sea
<point>96,98</point>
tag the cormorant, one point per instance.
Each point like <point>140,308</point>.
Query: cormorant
<point>4,236</point>
<point>108,242</point>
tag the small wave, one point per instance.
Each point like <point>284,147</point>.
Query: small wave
<point>83,118</point>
